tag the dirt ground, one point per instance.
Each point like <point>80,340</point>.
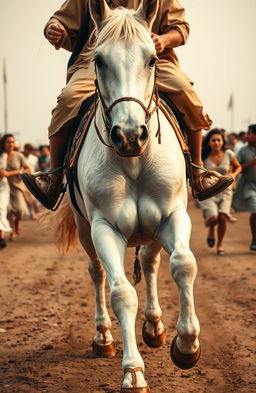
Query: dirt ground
<point>47,319</point>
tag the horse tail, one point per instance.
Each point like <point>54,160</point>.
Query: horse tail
<point>62,222</point>
<point>137,267</point>
<point>65,231</point>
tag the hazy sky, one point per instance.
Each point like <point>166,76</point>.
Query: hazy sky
<point>219,57</point>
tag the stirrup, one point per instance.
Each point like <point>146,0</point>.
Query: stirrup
<point>198,167</point>
<point>56,170</point>
<point>63,187</point>
<point>190,174</point>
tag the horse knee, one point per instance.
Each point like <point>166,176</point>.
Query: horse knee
<point>150,264</point>
<point>183,263</point>
<point>96,272</point>
<point>123,295</point>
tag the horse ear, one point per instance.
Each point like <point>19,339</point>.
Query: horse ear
<point>147,11</point>
<point>99,11</point>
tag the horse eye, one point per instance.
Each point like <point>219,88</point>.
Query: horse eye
<point>99,63</point>
<point>152,61</point>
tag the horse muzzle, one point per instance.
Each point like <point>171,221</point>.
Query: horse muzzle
<point>129,141</point>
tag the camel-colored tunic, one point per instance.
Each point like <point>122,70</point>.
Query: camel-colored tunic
<point>81,75</point>
<point>18,190</point>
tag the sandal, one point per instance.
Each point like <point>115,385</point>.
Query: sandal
<point>133,389</point>
<point>156,340</point>
<point>210,241</point>
<point>202,191</point>
<point>3,243</point>
<point>181,360</point>
<point>103,350</point>
<point>253,245</point>
<point>41,186</point>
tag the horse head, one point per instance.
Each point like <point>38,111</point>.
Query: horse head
<point>125,62</point>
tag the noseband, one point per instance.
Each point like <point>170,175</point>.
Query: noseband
<point>107,110</point>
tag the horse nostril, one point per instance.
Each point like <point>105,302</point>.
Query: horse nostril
<point>144,134</point>
<point>115,135</point>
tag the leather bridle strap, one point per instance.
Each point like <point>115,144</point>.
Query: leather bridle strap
<point>107,110</point>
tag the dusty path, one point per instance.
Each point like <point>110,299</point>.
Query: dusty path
<point>47,319</point>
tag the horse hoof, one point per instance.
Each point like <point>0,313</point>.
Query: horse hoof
<point>135,390</point>
<point>153,341</point>
<point>103,351</point>
<point>181,360</point>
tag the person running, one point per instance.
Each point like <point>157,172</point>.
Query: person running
<point>4,200</point>
<point>217,210</point>
<point>245,193</point>
<point>16,164</point>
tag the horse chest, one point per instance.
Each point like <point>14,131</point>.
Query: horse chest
<point>123,205</point>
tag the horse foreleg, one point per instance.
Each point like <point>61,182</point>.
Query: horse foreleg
<point>174,237</point>
<point>153,330</point>
<point>110,247</point>
<point>103,343</point>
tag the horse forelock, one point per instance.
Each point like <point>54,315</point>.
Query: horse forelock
<point>121,25</point>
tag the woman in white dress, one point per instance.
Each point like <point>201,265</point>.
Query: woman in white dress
<point>16,164</point>
<point>4,201</point>
<point>217,210</point>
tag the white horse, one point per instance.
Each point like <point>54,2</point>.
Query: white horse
<point>133,192</point>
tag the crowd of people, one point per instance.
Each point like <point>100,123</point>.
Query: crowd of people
<point>15,200</point>
<point>233,154</point>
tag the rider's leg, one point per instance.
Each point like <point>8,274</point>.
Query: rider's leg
<point>58,146</point>
<point>195,148</point>
<point>177,86</point>
<point>46,187</point>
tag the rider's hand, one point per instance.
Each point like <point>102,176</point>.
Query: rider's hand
<point>159,41</point>
<point>54,33</point>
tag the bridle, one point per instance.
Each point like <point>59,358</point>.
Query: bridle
<point>107,110</point>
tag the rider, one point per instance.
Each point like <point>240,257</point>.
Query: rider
<point>70,28</point>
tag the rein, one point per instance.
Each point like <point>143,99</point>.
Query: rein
<point>107,110</point>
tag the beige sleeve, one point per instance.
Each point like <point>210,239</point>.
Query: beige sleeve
<point>174,18</point>
<point>23,161</point>
<point>3,161</point>
<point>70,16</point>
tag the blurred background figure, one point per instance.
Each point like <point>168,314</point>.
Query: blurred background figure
<point>245,193</point>
<point>242,138</point>
<point>17,146</point>
<point>16,163</point>
<point>217,210</point>
<point>44,158</point>
<point>4,199</point>
<point>31,156</point>
<point>236,142</point>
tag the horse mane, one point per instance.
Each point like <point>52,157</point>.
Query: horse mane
<point>120,25</point>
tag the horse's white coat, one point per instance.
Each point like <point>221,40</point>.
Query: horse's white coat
<point>131,201</point>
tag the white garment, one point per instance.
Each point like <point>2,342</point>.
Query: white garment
<point>4,196</point>
<point>238,146</point>
<point>32,161</point>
